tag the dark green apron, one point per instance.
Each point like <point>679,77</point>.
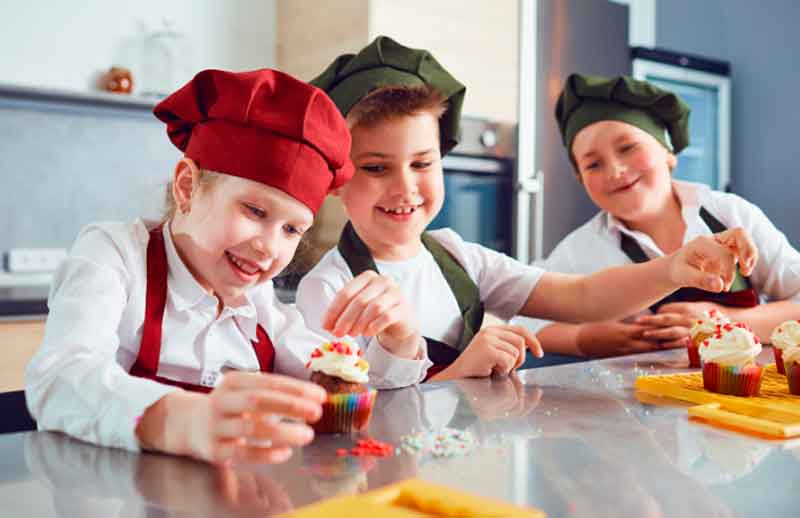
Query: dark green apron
<point>358,259</point>
<point>741,295</point>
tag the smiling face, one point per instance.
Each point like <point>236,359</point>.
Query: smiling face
<point>398,187</point>
<point>624,169</point>
<point>234,233</point>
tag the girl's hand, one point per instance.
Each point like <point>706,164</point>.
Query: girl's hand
<point>240,419</point>
<point>495,349</point>
<point>370,305</point>
<point>709,262</point>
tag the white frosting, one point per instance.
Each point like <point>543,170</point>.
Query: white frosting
<point>349,367</point>
<point>791,354</point>
<point>708,323</point>
<point>735,347</point>
<point>786,335</point>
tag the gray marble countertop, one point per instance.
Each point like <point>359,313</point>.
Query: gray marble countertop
<point>573,440</point>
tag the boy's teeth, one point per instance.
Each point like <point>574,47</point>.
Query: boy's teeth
<point>240,264</point>
<point>407,210</point>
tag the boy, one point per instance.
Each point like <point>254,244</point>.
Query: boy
<point>622,136</point>
<point>403,110</point>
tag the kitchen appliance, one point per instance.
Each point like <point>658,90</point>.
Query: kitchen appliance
<point>557,38</point>
<point>705,85</point>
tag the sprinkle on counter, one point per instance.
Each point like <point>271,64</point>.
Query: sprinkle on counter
<point>446,442</point>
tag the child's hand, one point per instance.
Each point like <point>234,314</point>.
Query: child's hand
<point>240,419</point>
<point>499,349</point>
<point>669,327</point>
<point>709,262</point>
<point>370,305</point>
<point>605,339</point>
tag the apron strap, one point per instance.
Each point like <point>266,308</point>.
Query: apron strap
<point>358,259</point>
<point>741,294</point>
<point>147,360</point>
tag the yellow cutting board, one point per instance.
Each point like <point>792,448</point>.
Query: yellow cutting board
<point>774,412</point>
<point>415,498</point>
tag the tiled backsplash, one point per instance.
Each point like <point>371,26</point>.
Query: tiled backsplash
<point>69,160</point>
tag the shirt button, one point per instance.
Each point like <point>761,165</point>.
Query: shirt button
<point>209,378</point>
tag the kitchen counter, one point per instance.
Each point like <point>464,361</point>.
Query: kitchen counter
<point>19,341</point>
<point>573,440</point>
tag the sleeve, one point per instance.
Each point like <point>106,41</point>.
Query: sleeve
<point>504,283</point>
<point>74,383</point>
<point>315,293</point>
<point>777,274</point>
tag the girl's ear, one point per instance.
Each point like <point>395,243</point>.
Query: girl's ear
<point>185,182</point>
<point>672,161</point>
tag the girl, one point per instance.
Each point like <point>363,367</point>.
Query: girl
<point>622,136</point>
<point>140,311</point>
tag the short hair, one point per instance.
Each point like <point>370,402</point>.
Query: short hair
<point>390,102</point>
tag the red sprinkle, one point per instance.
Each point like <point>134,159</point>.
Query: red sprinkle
<point>308,365</point>
<point>369,447</point>
<point>341,452</point>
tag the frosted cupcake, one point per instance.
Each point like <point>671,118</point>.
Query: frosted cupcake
<point>784,336</point>
<point>339,368</point>
<point>791,360</point>
<point>729,361</point>
<point>702,329</point>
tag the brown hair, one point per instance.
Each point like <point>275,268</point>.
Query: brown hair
<point>390,102</point>
<point>205,180</point>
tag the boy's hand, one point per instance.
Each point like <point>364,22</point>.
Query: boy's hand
<point>239,419</point>
<point>605,339</point>
<point>370,305</point>
<point>709,262</point>
<point>499,349</point>
<point>670,328</point>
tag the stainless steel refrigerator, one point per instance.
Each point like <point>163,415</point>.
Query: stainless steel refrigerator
<point>557,38</point>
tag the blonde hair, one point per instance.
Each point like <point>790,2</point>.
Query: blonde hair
<point>205,180</point>
<point>390,102</point>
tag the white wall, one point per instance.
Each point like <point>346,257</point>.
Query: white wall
<point>66,44</point>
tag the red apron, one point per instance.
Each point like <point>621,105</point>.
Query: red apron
<point>146,364</point>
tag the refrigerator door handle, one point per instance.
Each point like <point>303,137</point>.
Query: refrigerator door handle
<point>530,187</point>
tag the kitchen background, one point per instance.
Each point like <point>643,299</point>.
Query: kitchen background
<point>70,156</point>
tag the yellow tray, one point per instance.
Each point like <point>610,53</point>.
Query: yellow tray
<point>774,412</point>
<point>415,498</point>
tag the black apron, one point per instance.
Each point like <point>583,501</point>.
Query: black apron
<point>741,295</point>
<point>358,259</point>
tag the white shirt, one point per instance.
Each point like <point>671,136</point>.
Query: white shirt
<point>78,381</point>
<point>596,244</point>
<point>504,285</point>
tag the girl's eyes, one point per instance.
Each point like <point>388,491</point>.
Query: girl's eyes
<point>373,169</point>
<point>627,147</point>
<point>421,165</point>
<point>255,211</point>
<point>291,230</point>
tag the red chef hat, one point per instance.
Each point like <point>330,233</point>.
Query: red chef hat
<point>262,125</point>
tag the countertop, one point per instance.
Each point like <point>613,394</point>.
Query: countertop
<point>571,439</point>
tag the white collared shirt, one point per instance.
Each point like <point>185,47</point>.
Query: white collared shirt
<point>504,285</point>
<point>596,245</point>
<point>78,381</point>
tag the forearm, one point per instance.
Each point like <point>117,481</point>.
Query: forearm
<point>765,317</point>
<point>165,425</point>
<point>561,338</point>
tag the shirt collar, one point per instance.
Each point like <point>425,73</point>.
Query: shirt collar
<point>689,194</point>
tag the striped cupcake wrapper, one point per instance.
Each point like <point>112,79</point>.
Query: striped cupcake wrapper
<point>779,360</point>
<point>793,377</point>
<point>736,381</point>
<point>344,413</point>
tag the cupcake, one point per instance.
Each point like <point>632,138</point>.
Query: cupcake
<point>791,360</point>
<point>784,336</point>
<point>339,368</point>
<point>702,329</point>
<point>728,360</point>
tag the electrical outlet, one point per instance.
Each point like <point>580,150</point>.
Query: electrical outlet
<point>29,260</point>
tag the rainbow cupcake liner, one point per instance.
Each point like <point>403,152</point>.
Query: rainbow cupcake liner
<point>736,381</point>
<point>793,377</point>
<point>779,360</point>
<point>694,354</point>
<point>344,413</point>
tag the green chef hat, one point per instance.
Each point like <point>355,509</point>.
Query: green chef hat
<point>384,62</point>
<point>587,99</point>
